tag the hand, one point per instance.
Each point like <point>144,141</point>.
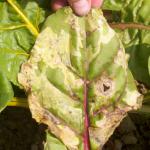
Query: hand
<point>80,7</point>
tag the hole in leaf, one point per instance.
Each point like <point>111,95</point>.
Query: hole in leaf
<point>106,87</point>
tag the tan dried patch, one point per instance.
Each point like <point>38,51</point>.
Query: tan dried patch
<point>23,76</point>
<point>120,58</point>
<point>54,124</point>
<point>106,126</point>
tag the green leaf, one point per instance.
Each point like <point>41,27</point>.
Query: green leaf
<point>78,63</point>
<point>53,143</point>
<point>137,41</point>
<point>16,37</point>
<point>6,91</point>
<point>113,4</point>
<point>10,62</point>
<point>136,11</point>
<point>19,26</point>
<point>149,65</point>
<point>137,45</point>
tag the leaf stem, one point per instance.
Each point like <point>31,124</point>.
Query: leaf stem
<point>18,102</point>
<point>26,20</point>
<point>124,26</point>
<point>86,139</point>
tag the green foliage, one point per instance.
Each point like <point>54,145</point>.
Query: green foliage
<point>19,25</point>
<point>10,61</point>
<point>136,41</point>
<point>6,91</point>
<point>115,5</point>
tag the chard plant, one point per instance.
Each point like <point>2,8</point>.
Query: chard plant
<point>75,70</point>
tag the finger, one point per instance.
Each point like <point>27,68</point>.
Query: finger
<point>80,7</point>
<point>96,3</point>
<point>57,4</point>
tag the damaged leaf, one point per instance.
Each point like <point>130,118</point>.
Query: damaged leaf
<point>53,143</point>
<point>77,80</point>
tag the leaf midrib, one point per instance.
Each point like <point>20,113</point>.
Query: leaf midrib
<point>30,26</point>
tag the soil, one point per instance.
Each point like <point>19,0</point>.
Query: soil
<point>18,131</point>
<point>132,134</point>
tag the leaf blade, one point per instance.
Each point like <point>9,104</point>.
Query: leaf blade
<point>47,74</point>
<point>6,91</point>
<point>29,24</point>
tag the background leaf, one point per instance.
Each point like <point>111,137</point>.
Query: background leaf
<point>10,61</point>
<point>18,18</point>
<point>113,4</point>
<point>136,41</point>
<point>138,47</point>
<point>6,91</point>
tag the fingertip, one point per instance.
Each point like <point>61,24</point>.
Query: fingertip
<point>96,3</point>
<point>57,4</point>
<point>80,7</point>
